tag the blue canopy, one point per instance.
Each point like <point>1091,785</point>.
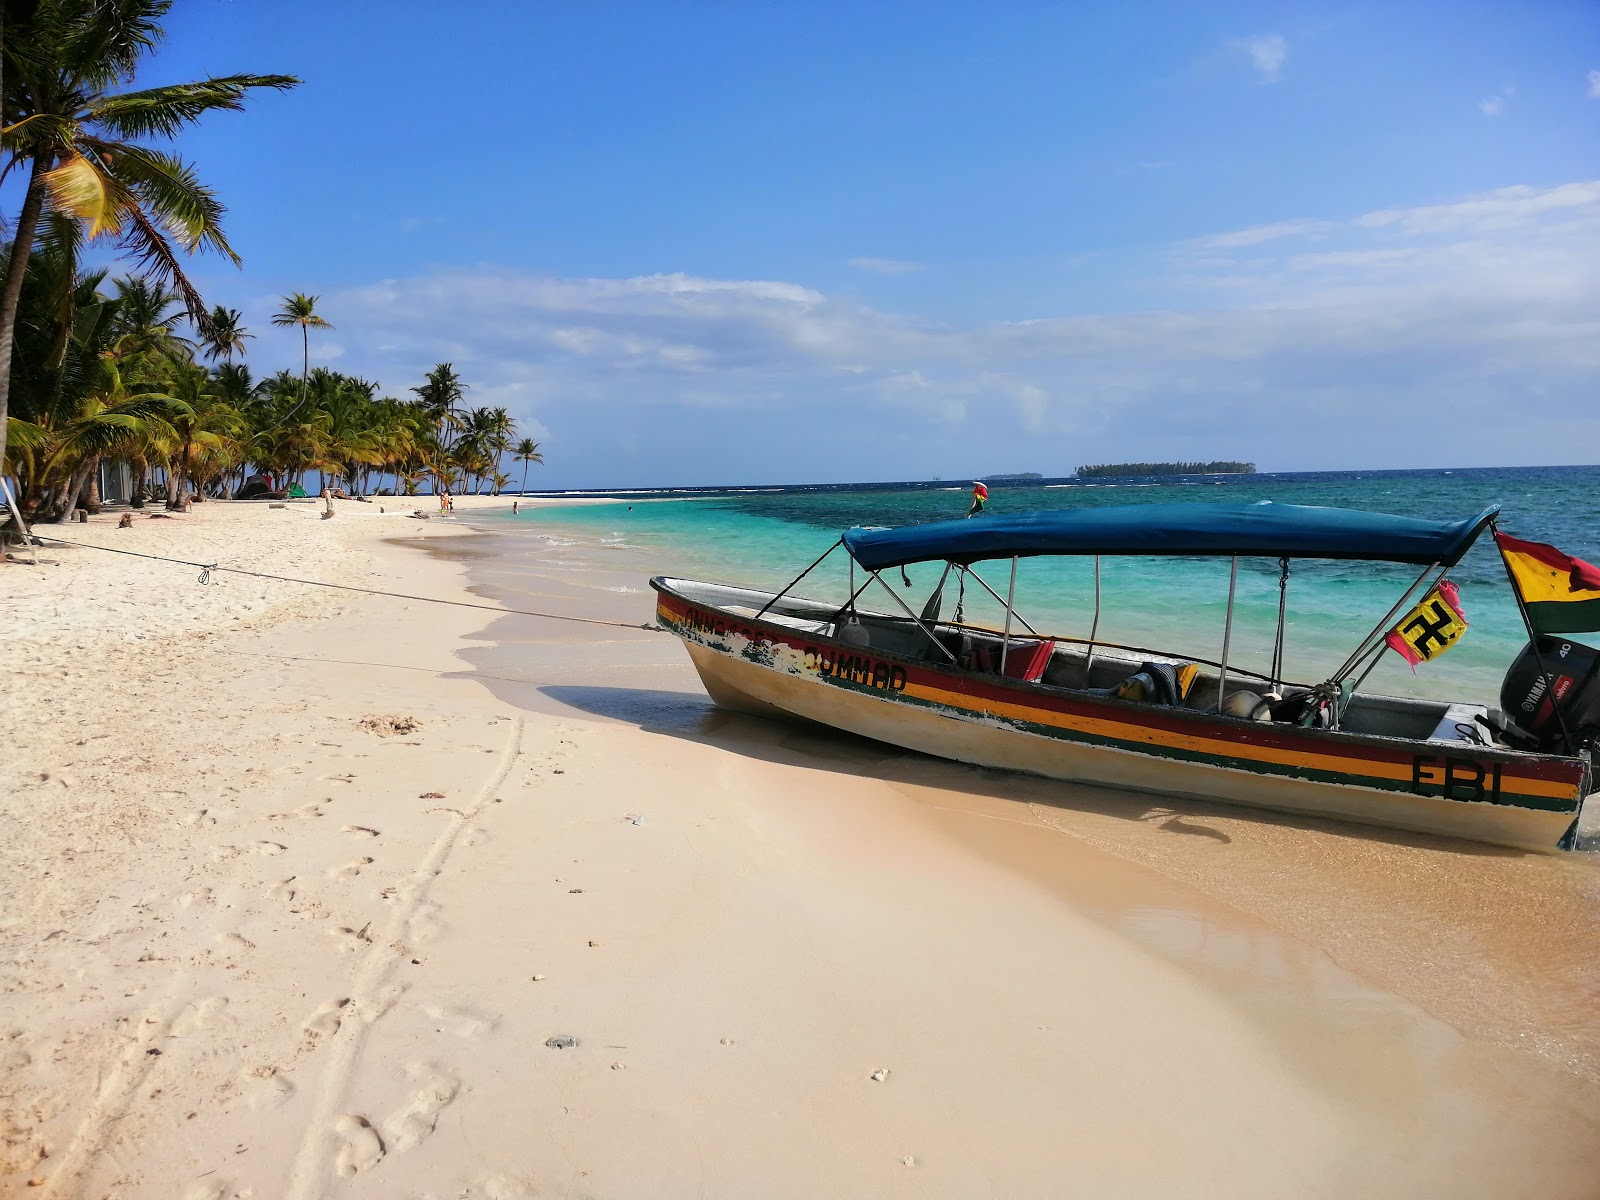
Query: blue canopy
<point>1262,529</point>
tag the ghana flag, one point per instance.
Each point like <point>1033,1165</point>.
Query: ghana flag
<point>1561,593</point>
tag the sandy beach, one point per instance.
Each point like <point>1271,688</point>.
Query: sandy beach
<point>310,893</point>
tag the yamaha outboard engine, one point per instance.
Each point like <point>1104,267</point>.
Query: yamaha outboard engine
<point>1563,677</point>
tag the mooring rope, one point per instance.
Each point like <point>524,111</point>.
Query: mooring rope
<point>206,570</point>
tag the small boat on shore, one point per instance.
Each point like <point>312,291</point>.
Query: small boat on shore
<point>1170,723</point>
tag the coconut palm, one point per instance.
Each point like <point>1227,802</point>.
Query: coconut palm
<point>83,146</point>
<point>527,451</point>
<point>301,309</point>
<point>227,334</point>
<point>145,322</point>
<point>440,395</point>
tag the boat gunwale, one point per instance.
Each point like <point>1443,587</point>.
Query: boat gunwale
<point>1282,733</point>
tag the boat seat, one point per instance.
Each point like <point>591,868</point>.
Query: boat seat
<point>1456,718</point>
<point>1027,663</point>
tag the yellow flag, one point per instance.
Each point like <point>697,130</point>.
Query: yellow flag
<point>1430,628</point>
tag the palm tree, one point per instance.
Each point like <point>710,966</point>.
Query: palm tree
<point>82,145</point>
<point>439,396</point>
<point>301,309</point>
<point>146,323</point>
<point>227,334</point>
<point>527,451</point>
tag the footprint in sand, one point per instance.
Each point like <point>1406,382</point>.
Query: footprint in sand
<point>500,1186</point>
<point>194,896</point>
<point>408,1127</point>
<point>461,1021</point>
<point>269,848</point>
<point>282,891</point>
<point>362,1149</point>
<point>235,942</point>
<point>359,830</point>
<point>198,817</point>
<point>425,923</point>
<point>209,1189</point>
<point>304,812</point>
<point>353,867</point>
<point>326,1020</point>
<point>202,1014</point>
<point>351,940</point>
<point>264,1088</point>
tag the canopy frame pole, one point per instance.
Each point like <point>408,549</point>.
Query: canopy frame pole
<point>1283,609</point>
<point>945,650</point>
<point>1094,626</point>
<point>1365,645</point>
<point>1002,600</point>
<point>1011,592</point>
<point>798,578</point>
<point>1227,632</point>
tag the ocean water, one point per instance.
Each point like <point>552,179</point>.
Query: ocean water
<point>765,537</point>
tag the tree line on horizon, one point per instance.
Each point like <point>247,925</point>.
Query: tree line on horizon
<point>1126,470</point>
<point>140,370</point>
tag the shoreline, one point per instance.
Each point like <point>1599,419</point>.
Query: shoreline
<point>237,858</point>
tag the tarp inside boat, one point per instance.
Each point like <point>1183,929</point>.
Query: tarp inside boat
<point>1262,529</point>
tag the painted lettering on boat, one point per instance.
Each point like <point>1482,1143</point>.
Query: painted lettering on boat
<point>1455,778</point>
<point>715,627</point>
<point>855,668</point>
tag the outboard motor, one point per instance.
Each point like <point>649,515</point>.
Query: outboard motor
<point>1531,699</point>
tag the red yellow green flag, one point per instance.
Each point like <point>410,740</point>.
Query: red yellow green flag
<point>1560,593</point>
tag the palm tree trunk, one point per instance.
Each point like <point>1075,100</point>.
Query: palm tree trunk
<point>305,361</point>
<point>74,488</point>
<point>11,289</point>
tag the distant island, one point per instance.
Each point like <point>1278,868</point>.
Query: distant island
<point>1164,468</point>
<point>1014,477</point>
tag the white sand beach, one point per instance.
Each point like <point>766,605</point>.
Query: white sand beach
<point>308,893</point>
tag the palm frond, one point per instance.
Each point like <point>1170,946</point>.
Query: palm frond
<point>102,42</point>
<point>155,254</point>
<point>171,191</point>
<point>82,188</point>
<point>25,435</point>
<point>164,111</point>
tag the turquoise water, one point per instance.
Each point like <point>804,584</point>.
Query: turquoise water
<point>765,538</point>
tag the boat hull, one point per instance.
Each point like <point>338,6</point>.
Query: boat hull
<point>1454,790</point>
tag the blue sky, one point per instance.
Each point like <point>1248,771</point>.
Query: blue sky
<point>719,242</point>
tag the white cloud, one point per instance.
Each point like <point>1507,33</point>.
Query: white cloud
<point>1266,51</point>
<point>1594,85</point>
<point>1493,106</point>
<point>884,266</point>
<point>1299,337</point>
<point>1262,233</point>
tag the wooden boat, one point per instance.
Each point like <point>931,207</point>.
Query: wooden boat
<point>1075,709</point>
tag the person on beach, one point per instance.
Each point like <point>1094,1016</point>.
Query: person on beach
<point>514,508</point>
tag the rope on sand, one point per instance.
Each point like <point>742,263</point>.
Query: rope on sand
<point>206,570</point>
